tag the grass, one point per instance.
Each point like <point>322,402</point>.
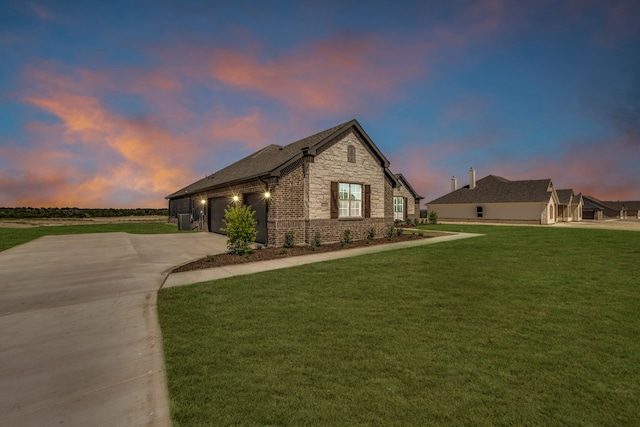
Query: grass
<point>525,326</point>
<point>10,237</point>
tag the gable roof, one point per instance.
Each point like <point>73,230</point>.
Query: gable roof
<point>272,159</point>
<point>495,189</point>
<point>565,196</point>
<point>404,182</point>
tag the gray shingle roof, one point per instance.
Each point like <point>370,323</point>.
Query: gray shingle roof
<point>271,159</point>
<point>401,177</point>
<point>495,189</point>
<point>564,196</point>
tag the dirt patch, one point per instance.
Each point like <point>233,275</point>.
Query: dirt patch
<point>266,254</point>
<point>46,222</point>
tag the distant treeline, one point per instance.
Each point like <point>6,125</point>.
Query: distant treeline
<point>20,213</point>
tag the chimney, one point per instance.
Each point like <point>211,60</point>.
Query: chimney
<point>472,179</point>
<point>454,184</point>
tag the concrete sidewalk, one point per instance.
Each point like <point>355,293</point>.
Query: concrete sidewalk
<point>196,276</point>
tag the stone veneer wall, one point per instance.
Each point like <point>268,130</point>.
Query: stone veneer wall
<point>332,165</point>
<point>413,208</point>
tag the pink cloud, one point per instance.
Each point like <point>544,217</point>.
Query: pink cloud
<point>621,22</point>
<point>337,75</point>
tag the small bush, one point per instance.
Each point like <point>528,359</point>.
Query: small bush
<point>289,239</point>
<point>390,232</point>
<point>240,226</point>
<point>371,234</point>
<point>398,232</point>
<point>284,251</point>
<point>433,217</point>
<point>346,237</point>
<point>397,222</point>
<point>317,241</point>
<point>409,222</point>
<point>211,258</point>
<point>416,222</point>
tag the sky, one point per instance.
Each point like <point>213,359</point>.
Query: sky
<point>121,103</point>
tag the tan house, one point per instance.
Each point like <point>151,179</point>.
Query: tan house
<point>569,206</point>
<point>329,182</point>
<point>497,199</point>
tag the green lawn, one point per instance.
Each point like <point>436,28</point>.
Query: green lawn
<point>524,326</point>
<point>10,237</point>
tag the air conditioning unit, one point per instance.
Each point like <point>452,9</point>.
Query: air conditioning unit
<point>184,222</point>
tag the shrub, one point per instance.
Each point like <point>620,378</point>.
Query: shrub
<point>397,222</point>
<point>240,226</point>
<point>316,241</point>
<point>211,258</point>
<point>433,217</point>
<point>371,234</point>
<point>284,251</point>
<point>409,222</point>
<point>390,232</point>
<point>289,239</point>
<point>398,232</point>
<point>346,237</point>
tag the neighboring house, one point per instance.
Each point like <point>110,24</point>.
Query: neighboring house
<point>597,209</point>
<point>494,198</point>
<point>406,202</point>
<point>327,183</point>
<point>569,206</point>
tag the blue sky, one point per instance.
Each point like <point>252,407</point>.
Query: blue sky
<point>119,103</point>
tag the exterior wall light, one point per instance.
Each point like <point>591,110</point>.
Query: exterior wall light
<point>267,195</point>
<point>236,198</point>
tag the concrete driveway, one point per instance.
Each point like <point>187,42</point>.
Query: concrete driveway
<point>80,342</point>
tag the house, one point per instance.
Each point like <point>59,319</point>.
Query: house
<point>494,198</point>
<point>597,209</point>
<point>329,182</point>
<point>406,202</point>
<point>569,206</point>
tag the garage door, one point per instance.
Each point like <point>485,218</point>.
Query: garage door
<point>258,204</point>
<point>217,206</point>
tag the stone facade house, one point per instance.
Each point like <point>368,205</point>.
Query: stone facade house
<point>569,206</point>
<point>406,202</point>
<point>497,199</point>
<point>327,183</point>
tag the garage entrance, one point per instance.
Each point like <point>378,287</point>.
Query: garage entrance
<point>259,204</point>
<point>217,206</point>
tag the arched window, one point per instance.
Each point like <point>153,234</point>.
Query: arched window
<point>351,154</point>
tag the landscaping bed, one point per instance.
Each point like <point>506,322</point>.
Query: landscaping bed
<point>266,254</point>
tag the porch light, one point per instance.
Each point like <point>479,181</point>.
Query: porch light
<point>267,195</point>
<point>203,201</point>
<point>235,198</point>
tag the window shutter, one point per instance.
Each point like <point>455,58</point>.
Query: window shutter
<point>334,200</point>
<point>406,204</point>
<point>367,201</point>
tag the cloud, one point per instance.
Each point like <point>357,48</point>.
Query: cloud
<point>621,22</point>
<point>40,11</point>
<point>334,76</point>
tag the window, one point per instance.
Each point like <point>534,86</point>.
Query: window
<point>350,200</point>
<point>398,208</point>
<point>351,154</point>
<point>479,211</point>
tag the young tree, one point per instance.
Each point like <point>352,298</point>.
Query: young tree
<point>240,228</point>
